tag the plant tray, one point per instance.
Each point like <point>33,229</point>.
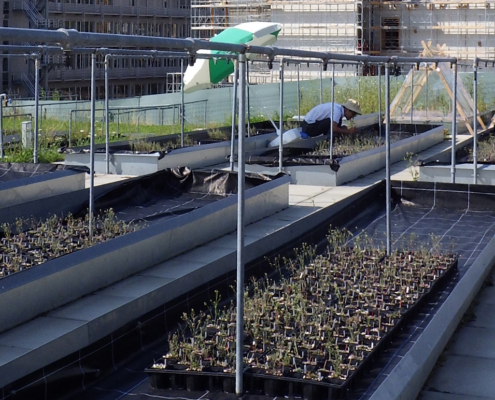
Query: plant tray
<point>258,382</point>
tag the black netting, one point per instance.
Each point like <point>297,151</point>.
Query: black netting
<point>171,192</point>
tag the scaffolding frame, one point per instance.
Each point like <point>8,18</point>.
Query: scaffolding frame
<point>467,27</point>
<point>372,27</point>
<point>309,25</point>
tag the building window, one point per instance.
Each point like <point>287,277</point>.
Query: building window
<point>390,33</point>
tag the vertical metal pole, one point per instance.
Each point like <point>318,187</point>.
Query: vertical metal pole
<point>234,112</point>
<point>36,105</point>
<point>380,101</point>
<point>239,369</point>
<point>182,102</point>
<point>206,110</point>
<point>3,96</point>
<point>475,122</point>
<point>70,127</point>
<point>92,145</point>
<point>298,94</point>
<point>387,153</point>
<point>118,122</point>
<point>321,83</point>
<point>107,119</point>
<point>412,92</point>
<point>359,76</point>
<point>281,113</point>
<point>248,101</point>
<point>454,119</point>
<point>426,100</point>
<point>331,112</point>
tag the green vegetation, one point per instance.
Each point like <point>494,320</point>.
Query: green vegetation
<point>364,90</point>
<point>30,242</point>
<point>485,151</point>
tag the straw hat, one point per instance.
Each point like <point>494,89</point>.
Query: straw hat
<point>352,105</point>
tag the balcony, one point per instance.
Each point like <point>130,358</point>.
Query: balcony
<point>114,73</point>
<point>102,9</point>
<point>116,10</point>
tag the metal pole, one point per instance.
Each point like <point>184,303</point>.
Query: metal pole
<point>36,105</point>
<point>248,101</point>
<point>182,103</point>
<point>239,369</point>
<point>3,96</point>
<point>454,119</point>
<point>281,121</point>
<point>426,99</point>
<point>331,112</point>
<point>92,145</point>
<point>321,83</point>
<point>118,122</point>
<point>412,92</point>
<point>70,127</point>
<point>387,153</point>
<point>234,110</point>
<point>298,94</point>
<point>359,84</point>
<point>379,101</point>
<point>107,119</point>
<point>475,122</point>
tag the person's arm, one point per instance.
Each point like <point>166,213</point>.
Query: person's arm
<point>343,129</point>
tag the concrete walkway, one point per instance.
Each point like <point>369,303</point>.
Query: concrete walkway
<point>466,369</point>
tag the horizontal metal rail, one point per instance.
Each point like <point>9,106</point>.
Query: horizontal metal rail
<point>70,39</point>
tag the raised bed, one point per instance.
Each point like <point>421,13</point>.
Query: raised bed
<point>440,170</point>
<point>314,332</point>
<point>203,150</point>
<point>132,163</point>
<point>52,284</point>
<point>307,169</point>
<point>22,183</point>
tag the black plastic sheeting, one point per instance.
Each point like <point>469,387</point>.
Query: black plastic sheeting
<point>463,215</point>
<point>14,171</point>
<point>273,161</point>
<point>171,192</point>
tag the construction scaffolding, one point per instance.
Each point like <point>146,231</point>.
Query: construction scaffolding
<point>313,25</point>
<point>466,27</point>
<point>375,27</point>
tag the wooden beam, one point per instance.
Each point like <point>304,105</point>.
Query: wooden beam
<point>416,90</point>
<point>458,107</point>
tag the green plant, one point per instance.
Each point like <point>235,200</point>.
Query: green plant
<point>413,165</point>
<point>19,154</point>
<point>218,134</point>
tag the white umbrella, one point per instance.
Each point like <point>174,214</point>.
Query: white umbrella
<point>206,72</point>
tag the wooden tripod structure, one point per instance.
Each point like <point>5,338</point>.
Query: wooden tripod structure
<point>464,103</point>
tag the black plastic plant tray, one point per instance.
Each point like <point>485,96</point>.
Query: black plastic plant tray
<point>258,382</point>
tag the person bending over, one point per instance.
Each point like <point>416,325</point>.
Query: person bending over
<point>317,120</point>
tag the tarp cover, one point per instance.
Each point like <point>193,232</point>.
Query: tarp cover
<point>14,171</point>
<point>171,192</point>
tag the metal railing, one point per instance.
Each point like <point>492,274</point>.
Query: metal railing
<point>33,14</point>
<point>28,84</point>
<point>195,113</point>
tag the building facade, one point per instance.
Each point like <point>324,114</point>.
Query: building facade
<point>462,29</point>
<point>68,76</point>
